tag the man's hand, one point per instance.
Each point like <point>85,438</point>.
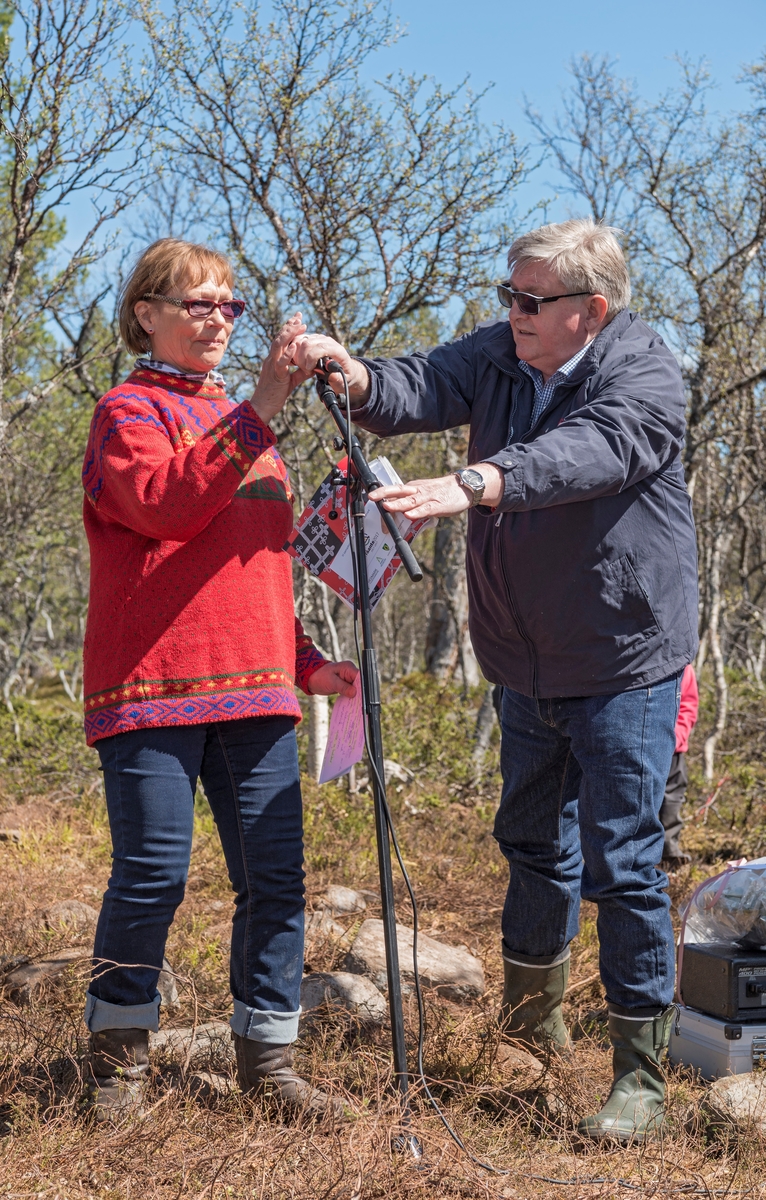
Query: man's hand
<point>310,348</point>
<point>443,497</point>
<point>278,376</point>
<point>333,678</point>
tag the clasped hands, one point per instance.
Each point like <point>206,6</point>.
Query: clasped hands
<point>293,358</point>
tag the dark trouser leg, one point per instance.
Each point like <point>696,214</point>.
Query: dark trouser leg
<point>250,774</point>
<point>251,778</point>
<point>536,829</point>
<point>624,744</point>
<point>149,778</point>
<point>670,812</point>
<point>590,772</point>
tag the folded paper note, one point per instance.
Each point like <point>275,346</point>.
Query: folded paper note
<point>345,739</point>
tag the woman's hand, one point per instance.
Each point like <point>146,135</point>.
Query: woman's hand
<point>333,678</point>
<point>313,346</point>
<point>278,376</point>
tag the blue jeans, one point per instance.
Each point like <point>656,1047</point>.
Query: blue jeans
<point>249,770</point>
<point>583,782</point>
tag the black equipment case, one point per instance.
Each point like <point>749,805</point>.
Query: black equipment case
<point>725,981</point>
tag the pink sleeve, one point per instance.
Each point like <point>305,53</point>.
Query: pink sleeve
<point>688,710</point>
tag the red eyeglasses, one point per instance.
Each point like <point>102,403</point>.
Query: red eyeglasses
<point>231,309</point>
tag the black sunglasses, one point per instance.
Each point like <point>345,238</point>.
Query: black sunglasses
<point>528,304</point>
<point>231,309</point>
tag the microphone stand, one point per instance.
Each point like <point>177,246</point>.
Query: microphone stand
<point>361,481</point>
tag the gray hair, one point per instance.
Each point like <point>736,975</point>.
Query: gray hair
<point>586,257</point>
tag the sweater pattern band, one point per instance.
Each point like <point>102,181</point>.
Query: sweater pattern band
<point>191,710</point>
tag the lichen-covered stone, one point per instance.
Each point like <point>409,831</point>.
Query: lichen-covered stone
<point>342,989</point>
<point>737,1102</point>
<point>449,970</point>
<point>343,901</point>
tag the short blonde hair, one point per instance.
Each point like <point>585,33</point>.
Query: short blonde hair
<point>161,268</point>
<point>584,254</point>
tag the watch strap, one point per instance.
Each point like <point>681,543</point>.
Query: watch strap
<point>477,492</point>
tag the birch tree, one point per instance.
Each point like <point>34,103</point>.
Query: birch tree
<point>70,150</point>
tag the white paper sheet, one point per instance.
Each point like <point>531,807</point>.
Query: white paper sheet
<point>345,739</point>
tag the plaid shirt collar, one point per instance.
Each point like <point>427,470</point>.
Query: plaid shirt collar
<point>545,389</point>
<point>155,364</point>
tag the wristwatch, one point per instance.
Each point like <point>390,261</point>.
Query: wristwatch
<point>474,482</point>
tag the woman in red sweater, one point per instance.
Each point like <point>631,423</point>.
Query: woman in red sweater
<point>192,651</point>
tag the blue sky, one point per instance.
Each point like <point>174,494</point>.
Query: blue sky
<point>526,48</point>
<point>525,51</point>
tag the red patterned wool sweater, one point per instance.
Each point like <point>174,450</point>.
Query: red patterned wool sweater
<point>191,616</point>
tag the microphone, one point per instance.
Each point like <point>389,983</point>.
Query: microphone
<point>328,366</point>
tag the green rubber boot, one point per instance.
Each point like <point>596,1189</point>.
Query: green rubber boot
<point>530,1012</point>
<point>635,1106</point>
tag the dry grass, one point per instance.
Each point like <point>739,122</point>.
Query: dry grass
<point>185,1147</point>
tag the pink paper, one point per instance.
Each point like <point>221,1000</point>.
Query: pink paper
<point>345,739</point>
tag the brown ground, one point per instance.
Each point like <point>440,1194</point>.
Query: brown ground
<point>238,1148</point>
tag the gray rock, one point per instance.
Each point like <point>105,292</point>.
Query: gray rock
<point>343,900</point>
<point>9,962</point>
<point>321,924</point>
<point>72,917</point>
<point>209,1086</point>
<point>737,1102</point>
<point>341,989</point>
<point>209,1041</point>
<point>10,835</point>
<point>451,972</point>
<point>166,986</point>
<point>512,1061</point>
<point>29,981</point>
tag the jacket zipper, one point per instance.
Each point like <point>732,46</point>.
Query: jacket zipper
<point>515,614</point>
<point>514,611</point>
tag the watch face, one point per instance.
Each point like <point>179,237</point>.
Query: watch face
<point>472,478</point>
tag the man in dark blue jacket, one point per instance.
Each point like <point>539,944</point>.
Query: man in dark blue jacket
<point>582,576</point>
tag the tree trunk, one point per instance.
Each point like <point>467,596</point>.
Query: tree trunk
<point>319,725</point>
<point>716,653</point>
<point>484,723</point>
<point>448,645</point>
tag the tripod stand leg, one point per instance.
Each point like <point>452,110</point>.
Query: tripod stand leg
<point>371,694</point>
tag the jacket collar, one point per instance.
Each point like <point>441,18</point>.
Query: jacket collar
<point>500,349</point>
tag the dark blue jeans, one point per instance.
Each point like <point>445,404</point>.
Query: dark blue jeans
<point>249,770</point>
<point>583,782</point>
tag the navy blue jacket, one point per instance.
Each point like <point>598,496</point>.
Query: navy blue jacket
<point>583,581</point>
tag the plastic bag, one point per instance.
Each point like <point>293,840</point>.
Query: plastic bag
<point>730,907</point>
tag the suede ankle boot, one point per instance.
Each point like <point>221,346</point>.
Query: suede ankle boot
<point>268,1069</point>
<point>531,1007</point>
<point>634,1108</point>
<point>117,1070</point>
